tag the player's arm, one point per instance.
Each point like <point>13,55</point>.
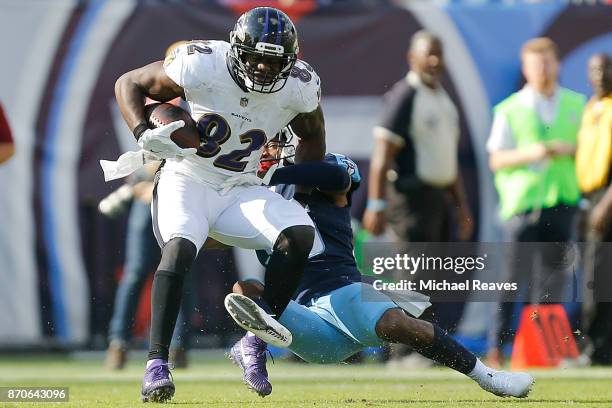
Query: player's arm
<point>131,89</point>
<point>149,81</point>
<point>339,199</point>
<point>315,174</point>
<point>310,128</point>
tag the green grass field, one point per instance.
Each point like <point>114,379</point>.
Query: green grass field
<point>214,382</point>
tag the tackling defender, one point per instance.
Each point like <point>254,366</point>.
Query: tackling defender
<point>240,93</point>
<point>329,319</point>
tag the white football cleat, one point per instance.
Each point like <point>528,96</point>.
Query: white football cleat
<point>507,384</point>
<point>248,315</point>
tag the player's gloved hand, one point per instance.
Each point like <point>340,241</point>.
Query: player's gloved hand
<point>158,142</point>
<point>350,167</point>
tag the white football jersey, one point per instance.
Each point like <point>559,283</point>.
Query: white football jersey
<point>236,124</point>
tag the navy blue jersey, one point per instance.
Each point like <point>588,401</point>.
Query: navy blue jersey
<point>335,267</point>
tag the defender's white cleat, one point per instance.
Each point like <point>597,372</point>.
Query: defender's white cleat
<point>502,383</point>
<point>248,315</point>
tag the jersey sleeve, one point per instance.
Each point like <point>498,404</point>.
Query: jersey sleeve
<point>188,64</point>
<point>394,125</point>
<point>308,88</point>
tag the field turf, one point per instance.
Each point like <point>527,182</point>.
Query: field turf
<point>214,382</point>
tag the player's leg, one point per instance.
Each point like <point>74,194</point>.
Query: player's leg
<point>432,342</point>
<point>179,344</point>
<point>262,219</point>
<point>286,264</point>
<point>180,224</point>
<point>370,317</point>
<point>283,273</point>
<point>284,267</point>
<point>314,340</point>
<point>249,353</point>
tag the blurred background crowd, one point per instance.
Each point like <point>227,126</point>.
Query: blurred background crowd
<point>484,121</point>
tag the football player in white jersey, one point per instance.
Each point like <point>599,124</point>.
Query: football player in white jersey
<point>240,93</point>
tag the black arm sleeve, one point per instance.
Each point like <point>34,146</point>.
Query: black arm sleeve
<point>317,174</point>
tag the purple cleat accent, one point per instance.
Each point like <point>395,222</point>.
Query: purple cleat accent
<point>157,385</point>
<point>249,353</point>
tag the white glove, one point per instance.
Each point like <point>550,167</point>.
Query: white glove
<point>158,142</point>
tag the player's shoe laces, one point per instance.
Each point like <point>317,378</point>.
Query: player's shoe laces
<point>506,384</point>
<point>249,353</point>
<point>157,385</point>
<point>248,315</point>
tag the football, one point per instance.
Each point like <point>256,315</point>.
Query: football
<point>160,114</point>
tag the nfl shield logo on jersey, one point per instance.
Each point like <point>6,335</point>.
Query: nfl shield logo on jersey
<point>244,102</point>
